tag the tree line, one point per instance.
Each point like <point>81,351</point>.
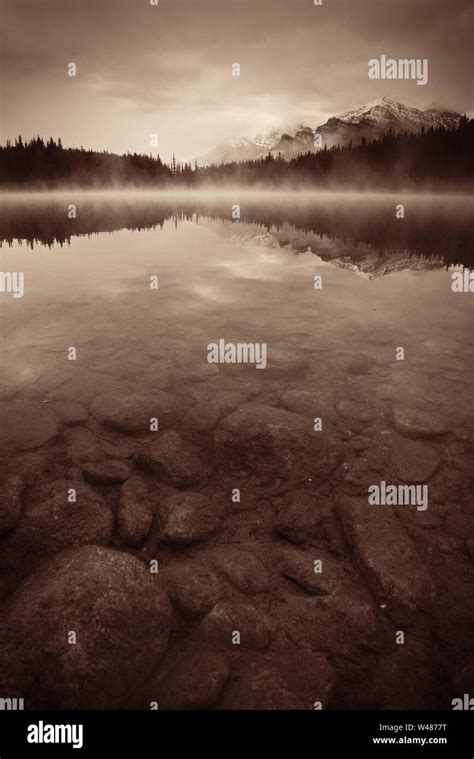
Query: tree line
<point>432,159</point>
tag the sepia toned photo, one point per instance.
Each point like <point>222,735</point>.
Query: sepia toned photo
<point>236,361</point>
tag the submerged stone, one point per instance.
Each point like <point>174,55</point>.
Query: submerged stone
<point>25,425</point>
<point>106,472</point>
<point>241,568</point>
<point>173,460</point>
<point>272,447</point>
<point>193,588</point>
<point>186,518</point>
<point>134,517</point>
<point>228,618</point>
<point>51,523</point>
<point>415,422</point>
<point>120,621</point>
<point>386,555</point>
<point>414,461</point>
<point>131,413</point>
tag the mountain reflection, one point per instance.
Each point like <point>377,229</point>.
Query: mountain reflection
<point>435,231</point>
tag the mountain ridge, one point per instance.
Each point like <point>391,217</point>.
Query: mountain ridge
<point>368,122</point>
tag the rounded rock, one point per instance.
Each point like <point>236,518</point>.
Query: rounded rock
<point>415,462</point>
<point>70,412</point>
<point>51,523</point>
<point>25,425</point>
<point>132,413</point>
<point>186,518</point>
<point>414,422</point>
<point>192,587</point>
<point>121,622</point>
<point>106,472</point>
<point>173,460</point>
<point>273,448</point>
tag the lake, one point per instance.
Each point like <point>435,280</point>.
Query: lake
<point>251,474</point>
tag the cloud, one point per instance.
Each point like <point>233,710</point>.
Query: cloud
<point>167,69</point>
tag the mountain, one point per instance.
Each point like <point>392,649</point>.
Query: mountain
<point>369,122</point>
<point>361,259</point>
<point>379,117</point>
<point>289,144</point>
<point>233,149</point>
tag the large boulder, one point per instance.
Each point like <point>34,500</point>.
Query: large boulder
<point>50,524</point>
<point>273,448</point>
<point>387,557</point>
<point>109,602</point>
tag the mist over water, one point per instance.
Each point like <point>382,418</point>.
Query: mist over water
<point>434,226</point>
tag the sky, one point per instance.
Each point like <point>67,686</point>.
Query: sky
<point>166,69</point>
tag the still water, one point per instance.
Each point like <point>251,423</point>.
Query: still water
<point>328,279</point>
<point>362,331</point>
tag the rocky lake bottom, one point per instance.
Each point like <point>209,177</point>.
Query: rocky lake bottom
<point>130,557</point>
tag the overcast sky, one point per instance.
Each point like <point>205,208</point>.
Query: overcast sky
<point>143,69</point>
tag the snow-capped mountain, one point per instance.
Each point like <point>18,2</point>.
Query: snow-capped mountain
<point>370,121</point>
<point>232,149</point>
<point>379,117</point>
<point>289,144</point>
